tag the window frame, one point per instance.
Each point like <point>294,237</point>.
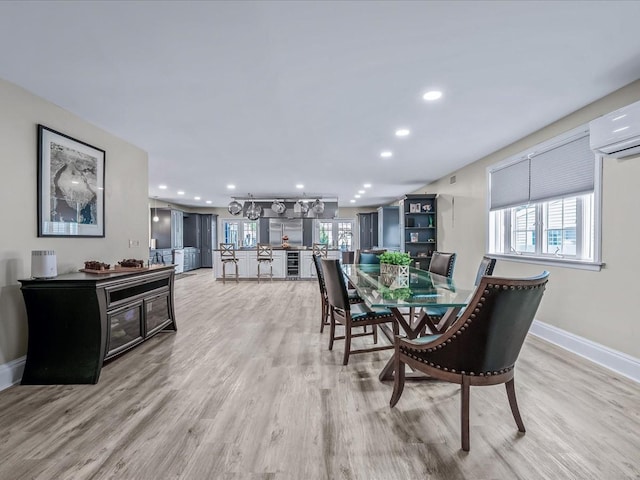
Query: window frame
<point>538,257</point>
<point>335,230</point>
<point>241,234</point>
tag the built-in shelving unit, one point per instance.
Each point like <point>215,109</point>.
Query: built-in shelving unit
<point>418,228</point>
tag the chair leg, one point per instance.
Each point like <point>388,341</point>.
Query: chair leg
<point>258,272</point>
<point>398,380</point>
<point>332,329</point>
<point>347,343</point>
<point>375,333</point>
<point>224,278</point>
<point>323,304</point>
<point>236,264</point>
<point>464,411</point>
<point>511,393</point>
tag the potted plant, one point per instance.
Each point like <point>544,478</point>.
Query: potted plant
<point>394,269</point>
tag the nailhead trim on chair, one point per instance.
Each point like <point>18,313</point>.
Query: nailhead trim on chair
<point>408,350</point>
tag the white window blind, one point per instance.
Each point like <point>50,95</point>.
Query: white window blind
<point>565,170</point>
<point>510,185</point>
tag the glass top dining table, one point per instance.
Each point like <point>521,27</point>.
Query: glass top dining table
<point>420,289</point>
<point>422,303</point>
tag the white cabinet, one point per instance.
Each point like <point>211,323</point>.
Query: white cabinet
<point>248,264</point>
<point>279,260</point>
<point>307,269</point>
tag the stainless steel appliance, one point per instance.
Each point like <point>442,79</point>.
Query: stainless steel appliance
<point>280,227</point>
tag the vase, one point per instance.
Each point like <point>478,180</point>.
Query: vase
<point>394,276</point>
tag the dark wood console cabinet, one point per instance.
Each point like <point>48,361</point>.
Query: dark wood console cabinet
<point>79,320</point>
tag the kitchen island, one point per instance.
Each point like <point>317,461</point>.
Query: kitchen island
<point>288,263</point>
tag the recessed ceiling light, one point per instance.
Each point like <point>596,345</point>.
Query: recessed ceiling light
<point>367,185</point>
<point>299,185</point>
<point>402,132</point>
<point>162,187</point>
<point>357,196</point>
<point>196,198</point>
<point>209,202</point>
<point>432,95</point>
<point>386,154</point>
<point>77,182</point>
<point>352,201</point>
<point>231,186</point>
<point>361,191</point>
<point>180,192</point>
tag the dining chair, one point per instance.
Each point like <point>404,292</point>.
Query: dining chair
<point>264,255</point>
<point>350,316</point>
<point>442,264</point>
<point>368,256</point>
<point>485,268</point>
<point>324,302</point>
<point>481,347</point>
<point>487,264</point>
<point>228,256</point>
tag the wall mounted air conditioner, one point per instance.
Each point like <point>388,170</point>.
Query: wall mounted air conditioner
<point>617,134</point>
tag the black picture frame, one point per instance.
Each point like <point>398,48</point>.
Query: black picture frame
<point>71,186</point>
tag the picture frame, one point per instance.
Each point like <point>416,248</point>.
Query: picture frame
<point>70,186</point>
<point>414,208</point>
<point>414,237</point>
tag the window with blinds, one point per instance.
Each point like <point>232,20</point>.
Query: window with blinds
<point>542,203</point>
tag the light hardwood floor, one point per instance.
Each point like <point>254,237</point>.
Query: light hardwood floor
<point>246,389</point>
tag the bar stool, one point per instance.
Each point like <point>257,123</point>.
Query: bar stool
<point>265,254</point>
<point>228,255</point>
<point>320,249</point>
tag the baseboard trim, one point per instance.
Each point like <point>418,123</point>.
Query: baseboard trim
<point>11,372</point>
<point>612,359</point>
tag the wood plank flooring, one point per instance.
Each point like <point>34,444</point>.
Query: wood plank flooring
<point>246,389</point>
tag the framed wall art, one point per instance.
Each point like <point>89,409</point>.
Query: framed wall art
<point>70,186</point>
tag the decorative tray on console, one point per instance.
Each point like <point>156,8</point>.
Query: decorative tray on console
<point>100,268</point>
<point>116,269</point>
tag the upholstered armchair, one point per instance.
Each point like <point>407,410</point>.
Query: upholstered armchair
<point>482,345</point>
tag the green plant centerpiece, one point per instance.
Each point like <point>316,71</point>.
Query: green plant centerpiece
<point>394,269</point>
<point>395,258</point>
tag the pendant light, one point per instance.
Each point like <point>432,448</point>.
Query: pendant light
<point>235,208</point>
<point>254,211</point>
<point>278,207</point>
<point>317,206</point>
<point>155,218</point>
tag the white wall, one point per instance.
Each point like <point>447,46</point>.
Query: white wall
<point>126,214</point>
<point>599,306</point>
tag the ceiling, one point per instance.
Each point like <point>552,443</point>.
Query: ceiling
<point>265,95</point>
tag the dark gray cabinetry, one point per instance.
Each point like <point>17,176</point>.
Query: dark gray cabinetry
<point>191,230</point>
<point>191,258</point>
<point>177,231</point>
<point>418,215</point>
<point>168,230</point>
<point>389,228</point>
<point>208,224</point>
<point>368,228</point>
<point>161,257</point>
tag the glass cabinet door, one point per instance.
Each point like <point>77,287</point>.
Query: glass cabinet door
<point>157,313</point>
<point>125,328</point>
